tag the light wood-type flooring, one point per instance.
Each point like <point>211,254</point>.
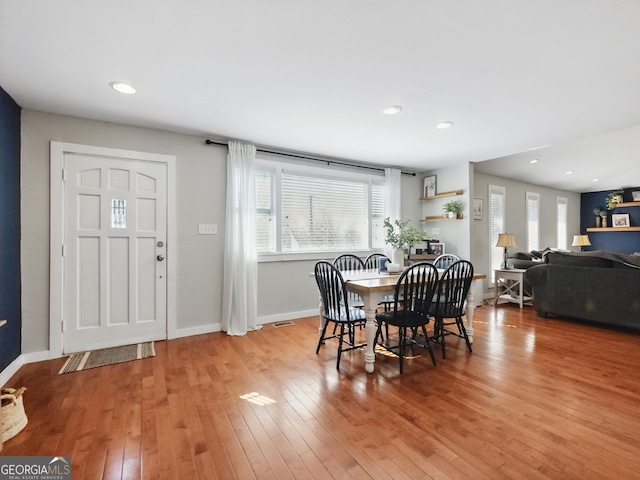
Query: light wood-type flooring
<point>537,399</point>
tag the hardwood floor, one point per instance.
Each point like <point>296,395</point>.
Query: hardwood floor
<point>537,399</point>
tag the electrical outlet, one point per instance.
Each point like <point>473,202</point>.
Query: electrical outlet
<point>435,231</point>
<point>207,229</point>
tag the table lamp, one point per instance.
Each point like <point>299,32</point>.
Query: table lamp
<point>506,240</point>
<point>580,241</point>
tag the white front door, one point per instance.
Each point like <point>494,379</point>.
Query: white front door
<point>114,249</point>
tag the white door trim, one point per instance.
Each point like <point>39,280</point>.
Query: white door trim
<point>56,270</point>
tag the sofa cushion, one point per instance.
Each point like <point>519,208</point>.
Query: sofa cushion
<point>523,256</point>
<point>577,260</point>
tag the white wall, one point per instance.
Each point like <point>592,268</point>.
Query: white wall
<point>455,234</point>
<point>285,289</point>
<point>516,216</point>
<point>201,178</point>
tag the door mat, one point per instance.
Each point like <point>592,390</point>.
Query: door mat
<point>107,356</point>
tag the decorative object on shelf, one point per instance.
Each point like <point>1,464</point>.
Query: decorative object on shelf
<point>506,240</point>
<point>620,220</point>
<point>603,218</point>
<point>599,213</point>
<point>429,185</point>
<point>636,196</point>
<point>614,198</point>
<point>437,248</point>
<point>581,241</point>
<point>452,208</point>
<point>478,208</point>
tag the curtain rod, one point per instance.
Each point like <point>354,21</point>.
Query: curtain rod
<point>328,162</point>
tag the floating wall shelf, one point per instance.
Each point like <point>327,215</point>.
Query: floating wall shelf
<point>437,218</point>
<point>445,194</point>
<point>625,204</point>
<point>614,229</point>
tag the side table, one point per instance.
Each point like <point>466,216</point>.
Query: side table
<point>510,286</point>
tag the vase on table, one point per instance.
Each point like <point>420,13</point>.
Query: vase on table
<point>397,256</point>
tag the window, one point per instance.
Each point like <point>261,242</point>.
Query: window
<point>265,211</point>
<point>533,221</point>
<point>302,209</point>
<point>496,226</point>
<point>561,222</point>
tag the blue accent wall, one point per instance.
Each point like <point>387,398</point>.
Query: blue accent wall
<point>10,334</point>
<point>620,242</point>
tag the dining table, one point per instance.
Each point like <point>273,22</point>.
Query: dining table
<point>372,286</point>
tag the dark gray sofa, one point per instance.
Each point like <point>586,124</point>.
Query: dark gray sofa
<point>597,286</point>
<point>524,260</point>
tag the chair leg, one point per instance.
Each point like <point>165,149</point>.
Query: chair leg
<point>378,334</point>
<point>429,347</point>
<point>402,334</point>
<point>463,332</point>
<point>321,339</point>
<point>441,336</point>
<point>340,340</point>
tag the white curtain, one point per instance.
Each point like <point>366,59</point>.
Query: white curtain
<point>392,198</point>
<point>240,297</point>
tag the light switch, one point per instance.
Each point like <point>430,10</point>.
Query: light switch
<point>207,229</point>
<point>435,231</point>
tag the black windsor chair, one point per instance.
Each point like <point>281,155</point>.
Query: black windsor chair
<point>337,309</point>
<point>445,260</point>
<point>350,262</point>
<point>450,303</point>
<point>414,293</point>
<point>371,262</point>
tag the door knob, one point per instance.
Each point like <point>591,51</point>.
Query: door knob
<point>160,258</point>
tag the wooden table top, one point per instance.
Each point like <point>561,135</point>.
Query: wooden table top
<point>372,280</point>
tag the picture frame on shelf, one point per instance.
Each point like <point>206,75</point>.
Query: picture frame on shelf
<point>429,184</point>
<point>636,196</point>
<point>437,248</point>
<point>620,220</point>
<point>478,208</point>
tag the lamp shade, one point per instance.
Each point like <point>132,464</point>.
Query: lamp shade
<point>580,241</point>
<point>506,240</point>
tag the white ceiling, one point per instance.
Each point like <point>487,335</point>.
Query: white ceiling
<point>313,76</point>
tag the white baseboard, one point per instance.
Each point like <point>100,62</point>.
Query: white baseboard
<point>22,359</point>
<point>201,330</point>
<point>216,327</point>
<point>287,316</point>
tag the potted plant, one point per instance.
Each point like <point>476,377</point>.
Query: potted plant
<point>401,235</point>
<point>452,209</point>
<point>614,198</point>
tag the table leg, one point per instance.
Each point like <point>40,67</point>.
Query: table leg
<point>371,301</point>
<point>521,292</point>
<point>471,306</point>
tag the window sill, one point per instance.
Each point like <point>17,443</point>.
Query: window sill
<point>307,256</point>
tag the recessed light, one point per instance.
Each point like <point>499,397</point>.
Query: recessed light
<point>444,125</point>
<point>123,88</point>
<point>569,172</point>
<point>391,109</point>
<point>535,160</point>
<point>596,179</point>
